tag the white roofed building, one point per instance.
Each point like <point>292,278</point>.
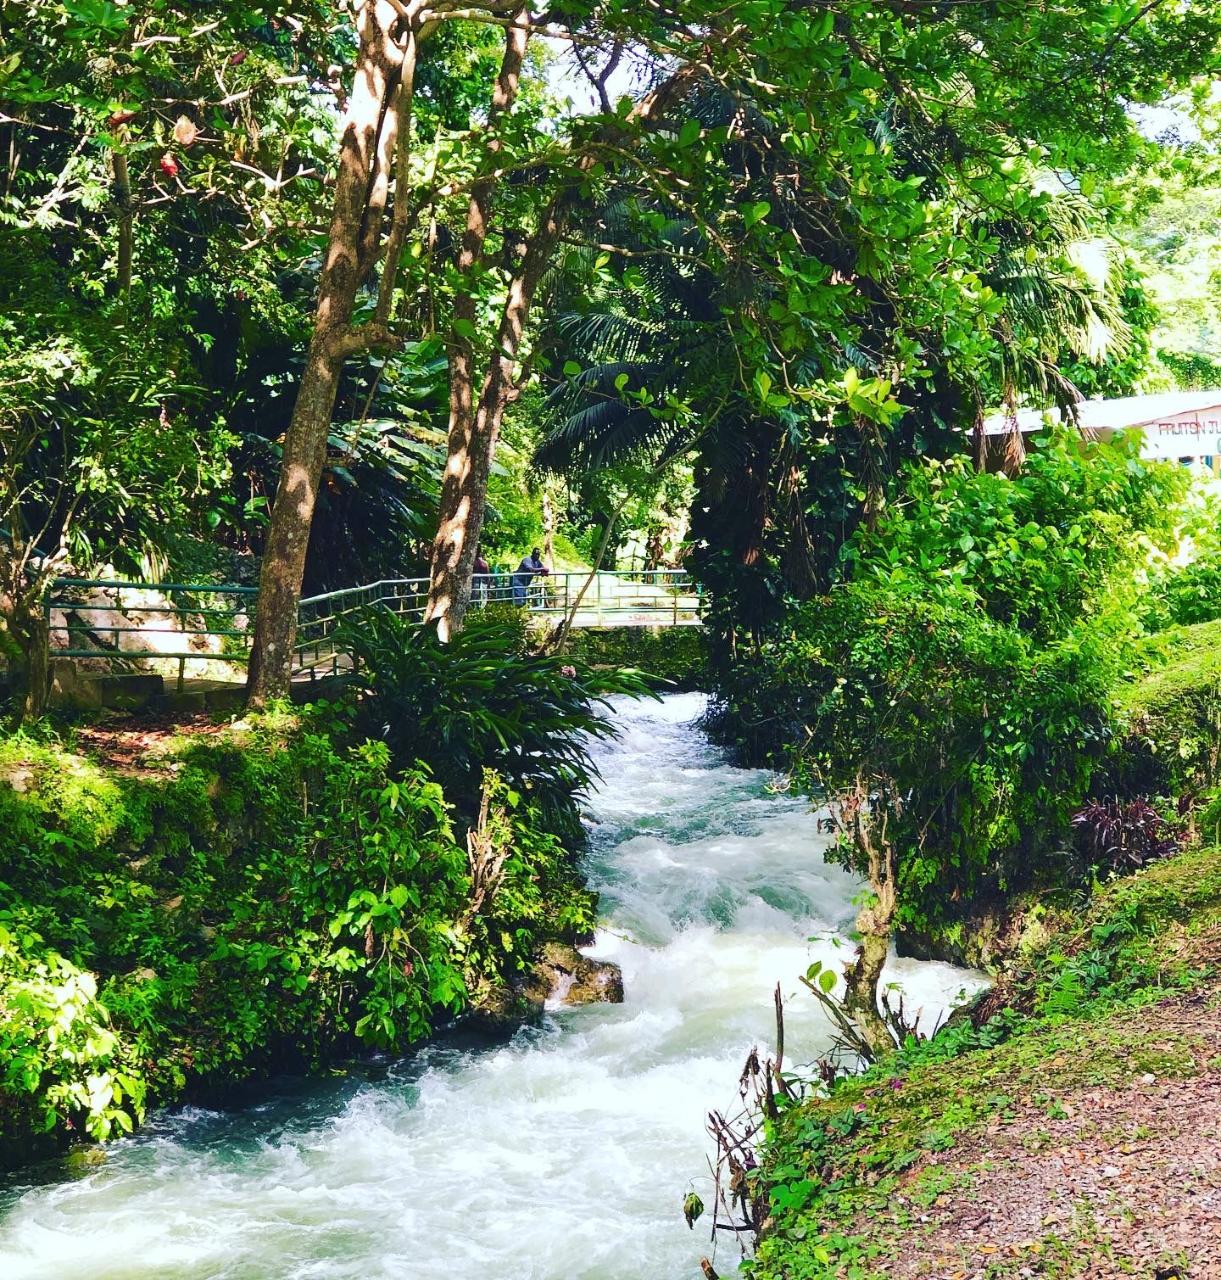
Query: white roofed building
<point>1178,426</point>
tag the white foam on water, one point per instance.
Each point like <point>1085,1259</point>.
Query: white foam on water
<point>563,1154</point>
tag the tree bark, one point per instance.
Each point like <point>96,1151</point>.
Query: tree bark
<point>861,984</point>
<point>474,429</point>
<point>462,495</point>
<point>471,449</point>
<point>548,529</point>
<point>24,644</point>
<point>359,204</point>
<point>865,817</point>
<point>122,194</point>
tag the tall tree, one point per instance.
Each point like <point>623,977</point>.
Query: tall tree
<point>848,185</point>
<point>378,112</point>
<point>156,160</point>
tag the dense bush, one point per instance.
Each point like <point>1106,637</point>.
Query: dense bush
<point>277,893</point>
<point>1122,835</point>
<point>1172,714</point>
<point>1186,595</point>
<point>985,740</point>
<point>486,700</point>
<point>677,655</point>
<point>963,676</point>
<point>1036,552</point>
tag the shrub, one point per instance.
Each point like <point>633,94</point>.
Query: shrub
<point>1037,551</point>
<point>960,682</point>
<point>1173,713</point>
<point>59,1057</point>
<point>1122,835</point>
<point>484,700</point>
<point>275,894</point>
<point>1187,595</point>
<point>985,741</point>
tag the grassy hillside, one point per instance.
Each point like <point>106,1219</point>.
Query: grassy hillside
<point>1068,1127</point>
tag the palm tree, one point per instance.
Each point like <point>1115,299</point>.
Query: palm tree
<point>1053,309</point>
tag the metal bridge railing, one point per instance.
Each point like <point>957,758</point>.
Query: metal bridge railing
<point>189,627</point>
<point>171,625</point>
<point>320,619</point>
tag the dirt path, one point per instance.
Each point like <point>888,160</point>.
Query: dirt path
<point>137,742</point>
<point>1105,1181</point>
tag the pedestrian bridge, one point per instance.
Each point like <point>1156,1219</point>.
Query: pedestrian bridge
<point>200,632</point>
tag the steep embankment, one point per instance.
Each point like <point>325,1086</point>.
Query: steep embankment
<point>1071,1125</point>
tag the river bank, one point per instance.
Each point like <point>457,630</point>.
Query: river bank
<point>187,907</point>
<point>563,1153</point>
<point>1068,1128</point>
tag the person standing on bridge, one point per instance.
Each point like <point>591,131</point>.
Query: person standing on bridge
<point>482,581</point>
<point>530,568</point>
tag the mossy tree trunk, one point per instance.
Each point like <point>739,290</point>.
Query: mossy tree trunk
<point>864,817</point>
<point>24,646</point>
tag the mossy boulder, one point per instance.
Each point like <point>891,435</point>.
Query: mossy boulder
<point>562,975</point>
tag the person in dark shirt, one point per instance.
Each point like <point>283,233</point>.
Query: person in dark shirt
<point>481,582</point>
<point>530,568</point>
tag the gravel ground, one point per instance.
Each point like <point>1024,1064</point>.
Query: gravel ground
<point>1107,1182</point>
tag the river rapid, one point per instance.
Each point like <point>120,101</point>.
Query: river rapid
<point>563,1154</point>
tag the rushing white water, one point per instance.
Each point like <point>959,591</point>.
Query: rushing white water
<point>561,1155</point>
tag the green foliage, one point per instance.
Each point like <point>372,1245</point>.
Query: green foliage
<point>528,717</point>
<point>275,894</point>
<point>1037,551</point>
<point>1191,370</point>
<point>965,671</point>
<point>61,1059</point>
<point>848,1173</point>
<point>1182,594</point>
<point>675,655</point>
<point>1127,361</point>
<point>1173,713</point>
<point>1170,209</point>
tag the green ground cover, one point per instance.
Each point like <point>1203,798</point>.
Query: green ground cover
<point>179,910</point>
<point>851,1178</point>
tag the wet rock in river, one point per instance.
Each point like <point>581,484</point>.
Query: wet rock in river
<point>563,976</point>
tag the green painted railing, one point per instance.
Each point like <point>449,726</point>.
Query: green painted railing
<point>126,626</point>
<point>198,628</point>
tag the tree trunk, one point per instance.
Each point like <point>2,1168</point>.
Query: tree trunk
<point>24,644</point>
<point>465,488</point>
<point>548,529</point>
<point>861,983</point>
<point>473,435</point>
<point>359,204</point>
<point>864,816</point>
<point>464,484</point>
<point>122,194</point>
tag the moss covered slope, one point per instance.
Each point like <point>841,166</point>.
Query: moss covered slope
<point>271,893</point>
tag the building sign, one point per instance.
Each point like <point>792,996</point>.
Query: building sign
<point>1189,435</point>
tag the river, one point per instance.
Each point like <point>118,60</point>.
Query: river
<point>563,1154</point>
